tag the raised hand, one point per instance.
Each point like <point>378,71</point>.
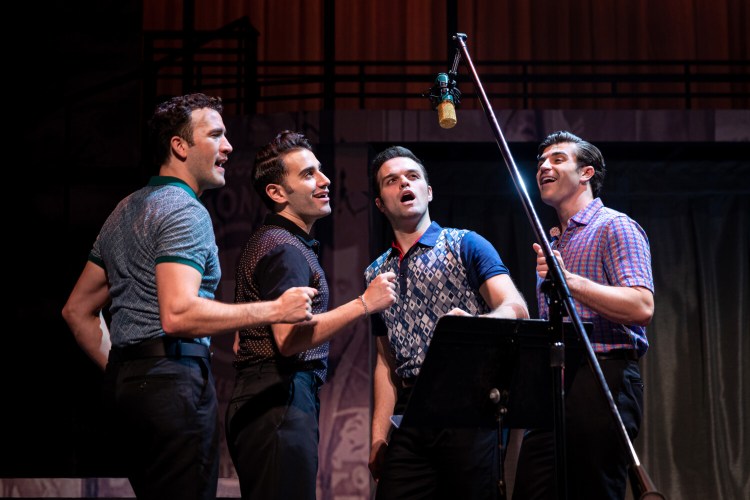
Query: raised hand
<point>295,304</point>
<point>541,262</point>
<point>381,293</point>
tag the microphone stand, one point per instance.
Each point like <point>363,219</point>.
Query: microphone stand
<point>559,297</point>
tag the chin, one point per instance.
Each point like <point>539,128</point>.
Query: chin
<point>217,183</point>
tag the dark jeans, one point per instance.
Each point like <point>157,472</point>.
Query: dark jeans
<point>272,432</point>
<point>167,414</point>
<point>596,460</point>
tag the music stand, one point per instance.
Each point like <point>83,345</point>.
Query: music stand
<point>491,372</point>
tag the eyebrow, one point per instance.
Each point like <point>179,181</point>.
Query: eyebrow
<point>408,171</point>
<point>542,157</point>
<point>306,170</point>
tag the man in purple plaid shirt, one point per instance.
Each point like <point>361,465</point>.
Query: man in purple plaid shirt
<point>606,260</point>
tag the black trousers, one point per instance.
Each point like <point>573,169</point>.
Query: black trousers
<point>440,464</point>
<point>437,463</point>
<point>167,414</point>
<point>596,460</point>
<point>272,432</point>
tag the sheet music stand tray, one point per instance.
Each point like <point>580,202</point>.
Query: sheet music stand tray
<point>490,372</point>
<point>470,356</point>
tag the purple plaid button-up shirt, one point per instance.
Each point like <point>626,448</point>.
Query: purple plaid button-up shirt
<point>608,247</point>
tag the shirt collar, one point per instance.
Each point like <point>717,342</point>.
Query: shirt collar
<point>585,216</point>
<point>165,180</point>
<point>428,239</point>
<point>281,221</point>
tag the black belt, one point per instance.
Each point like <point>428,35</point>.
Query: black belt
<point>162,347</point>
<point>622,354</point>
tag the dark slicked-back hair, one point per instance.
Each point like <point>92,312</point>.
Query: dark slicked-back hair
<point>173,118</point>
<point>586,154</point>
<point>269,165</point>
<point>389,154</point>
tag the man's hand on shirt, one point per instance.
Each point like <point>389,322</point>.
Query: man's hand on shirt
<point>381,293</point>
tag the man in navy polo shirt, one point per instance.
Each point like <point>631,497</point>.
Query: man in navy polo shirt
<point>440,270</point>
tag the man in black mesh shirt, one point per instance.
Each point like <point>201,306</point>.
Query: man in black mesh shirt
<point>272,420</point>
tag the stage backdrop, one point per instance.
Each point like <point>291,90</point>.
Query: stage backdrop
<point>689,198</point>
<point>681,175</point>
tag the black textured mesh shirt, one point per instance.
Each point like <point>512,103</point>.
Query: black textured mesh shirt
<point>279,256</point>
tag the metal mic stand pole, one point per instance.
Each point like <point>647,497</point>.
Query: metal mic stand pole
<point>560,289</point>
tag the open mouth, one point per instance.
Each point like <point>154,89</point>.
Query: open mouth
<point>407,197</point>
<point>546,180</point>
<point>323,195</point>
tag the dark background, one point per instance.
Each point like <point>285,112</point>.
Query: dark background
<point>81,90</point>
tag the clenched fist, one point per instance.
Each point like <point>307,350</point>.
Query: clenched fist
<point>541,261</point>
<point>381,293</point>
<point>295,304</point>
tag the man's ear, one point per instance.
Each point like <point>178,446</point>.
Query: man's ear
<point>587,173</point>
<point>379,204</point>
<point>429,193</point>
<point>277,193</point>
<point>179,147</point>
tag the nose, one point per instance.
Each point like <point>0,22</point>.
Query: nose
<point>323,180</point>
<point>404,181</point>
<point>226,147</point>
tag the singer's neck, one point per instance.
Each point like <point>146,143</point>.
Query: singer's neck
<point>406,233</point>
<point>572,206</point>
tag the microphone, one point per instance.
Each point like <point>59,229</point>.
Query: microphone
<point>554,233</point>
<point>446,108</point>
<point>445,96</point>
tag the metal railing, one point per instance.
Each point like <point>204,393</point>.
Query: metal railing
<point>225,62</point>
<point>219,62</point>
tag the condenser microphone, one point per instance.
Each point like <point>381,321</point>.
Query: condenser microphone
<point>446,107</point>
<point>445,96</point>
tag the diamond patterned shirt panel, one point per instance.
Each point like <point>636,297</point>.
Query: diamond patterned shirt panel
<point>437,281</point>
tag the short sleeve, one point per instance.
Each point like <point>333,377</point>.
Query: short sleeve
<point>481,259</point>
<point>627,256</point>
<point>280,269</point>
<point>186,236</point>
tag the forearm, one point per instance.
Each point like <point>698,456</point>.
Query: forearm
<point>82,313</point>
<point>504,298</point>
<point>200,317</point>
<point>184,314</point>
<point>510,310</point>
<point>626,305</point>
<point>384,402</point>
<point>293,339</point>
<point>92,335</point>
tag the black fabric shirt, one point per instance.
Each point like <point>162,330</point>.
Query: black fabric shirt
<point>279,256</point>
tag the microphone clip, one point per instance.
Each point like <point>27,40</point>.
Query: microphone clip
<point>445,87</point>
